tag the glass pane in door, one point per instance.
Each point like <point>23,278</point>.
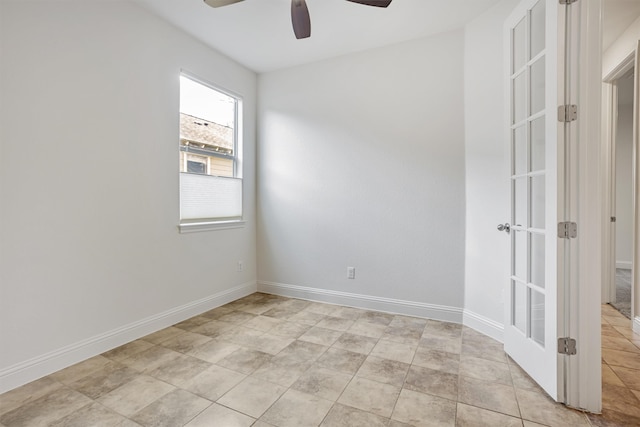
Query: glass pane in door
<point>537,201</point>
<point>537,144</point>
<point>537,254</point>
<point>520,306</point>
<point>521,205</point>
<point>520,150</point>
<point>537,317</point>
<point>537,91</point>
<point>537,29</point>
<point>519,46</point>
<point>520,98</point>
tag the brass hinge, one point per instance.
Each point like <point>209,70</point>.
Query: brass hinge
<point>567,1</point>
<point>567,113</point>
<point>567,346</point>
<point>567,230</point>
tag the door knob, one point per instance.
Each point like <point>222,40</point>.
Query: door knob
<point>504,227</point>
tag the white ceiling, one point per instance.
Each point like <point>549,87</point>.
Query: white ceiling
<point>617,16</point>
<point>258,34</point>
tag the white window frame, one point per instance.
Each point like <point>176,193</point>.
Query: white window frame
<point>209,224</point>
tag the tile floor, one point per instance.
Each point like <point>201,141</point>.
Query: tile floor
<point>272,361</point>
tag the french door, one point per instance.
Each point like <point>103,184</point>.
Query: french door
<point>534,135</point>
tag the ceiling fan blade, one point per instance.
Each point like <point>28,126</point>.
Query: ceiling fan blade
<point>377,3</point>
<point>300,19</point>
<point>220,3</point>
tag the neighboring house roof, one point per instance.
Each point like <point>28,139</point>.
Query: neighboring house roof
<point>200,131</point>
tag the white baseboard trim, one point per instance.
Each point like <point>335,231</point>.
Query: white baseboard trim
<point>40,366</point>
<point>636,325</point>
<point>389,305</point>
<point>484,325</point>
<point>626,265</point>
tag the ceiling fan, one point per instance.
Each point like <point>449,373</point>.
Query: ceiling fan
<point>300,13</point>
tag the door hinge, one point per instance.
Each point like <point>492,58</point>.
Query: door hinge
<point>613,219</point>
<point>567,346</point>
<point>567,113</point>
<point>567,1</point>
<point>567,230</point>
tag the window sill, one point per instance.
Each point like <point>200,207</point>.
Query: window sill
<point>197,227</point>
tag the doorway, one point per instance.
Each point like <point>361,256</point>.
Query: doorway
<point>622,195</point>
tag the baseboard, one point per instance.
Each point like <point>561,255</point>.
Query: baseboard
<point>40,366</point>
<point>625,265</point>
<point>407,308</point>
<point>636,325</point>
<point>484,325</point>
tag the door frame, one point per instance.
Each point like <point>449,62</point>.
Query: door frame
<point>583,385</point>
<point>609,134</point>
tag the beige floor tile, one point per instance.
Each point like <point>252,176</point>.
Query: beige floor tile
<point>435,328</point>
<point>218,415</point>
<point>626,332</point>
<point>324,383</point>
<point>438,360</point>
<point>214,350</point>
<point>394,351</point>
<point>192,323</point>
<point>244,360</point>
<point>118,354</point>
<point>252,396</point>
<point>307,317</point>
<point>531,424</point>
<point>620,399</point>
<point>241,336</point>
<point>494,352</point>
<point>289,329</point>
<point>150,359</point>
<point>350,313</point>
<point>321,336</point>
<point>402,335</point>
<point>27,393</point>
<point>94,415</point>
<point>424,410</point>
<point>173,409</point>
<point>341,360</point>
<point>163,335</point>
<point>46,410</point>
<point>79,370</point>
<point>214,328</point>
<point>610,418</point>
<point>320,308</point>
<point>300,352</point>
<point>619,343</point>
<point>370,396</point>
<point>376,317</point>
<point>131,397</point>
<point>536,406</point>
<point>346,416</point>
<point>384,371</point>
<point>609,330</point>
<point>284,374</point>
<point>470,416</point>
<point>618,320</point>
<point>213,383</point>
<point>263,323</point>
<point>270,344</point>
<point>179,370</point>
<point>297,409</point>
<point>432,382</point>
<point>216,313</point>
<point>628,377</point>
<point>610,377</point>
<point>449,345</point>
<point>623,359</point>
<point>488,395</point>
<point>364,328</point>
<point>520,378</point>
<point>484,369</point>
<point>279,312</point>
<point>101,382</point>
<point>335,323</point>
<point>185,342</point>
<point>237,317</point>
<point>355,343</point>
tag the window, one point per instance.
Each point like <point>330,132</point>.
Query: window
<point>210,170</point>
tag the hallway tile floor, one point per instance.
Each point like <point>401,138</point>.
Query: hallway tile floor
<point>271,361</point>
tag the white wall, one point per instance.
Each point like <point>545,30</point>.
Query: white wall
<point>624,187</point>
<point>89,182</point>
<point>487,169</point>
<point>361,163</point>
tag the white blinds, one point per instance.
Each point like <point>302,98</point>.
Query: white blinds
<point>204,197</point>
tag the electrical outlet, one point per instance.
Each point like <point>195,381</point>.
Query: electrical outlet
<point>240,267</point>
<point>351,272</point>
